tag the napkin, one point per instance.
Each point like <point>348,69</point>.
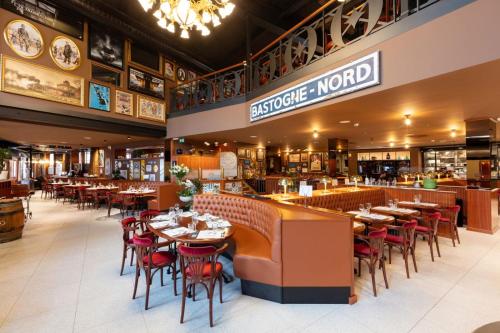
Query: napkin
<point>178,231</point>
<point>218,224</point>
<point>163,224</point>
<point>163,217</point>
<point>211,234</point>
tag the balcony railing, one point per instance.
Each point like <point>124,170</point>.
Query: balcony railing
<point>324,32</point>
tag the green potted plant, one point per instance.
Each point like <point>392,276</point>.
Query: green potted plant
<point>5,155</point>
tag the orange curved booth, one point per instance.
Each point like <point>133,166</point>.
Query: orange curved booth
<point>287,253</point>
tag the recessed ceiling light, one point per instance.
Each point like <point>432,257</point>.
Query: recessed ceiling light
<point>407,119</point>
<point>407,146</point>
<point>253,136</point>
<point>87,137</point>
<point>268,141</point>
<point>129,138</point>
<point>391,144</point>
<point>206,143</point>
<point>356,124</point>
<point>315,134</point>
<point>344,122</point>
<point>453,133</point>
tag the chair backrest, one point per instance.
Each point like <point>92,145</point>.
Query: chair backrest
<point>149,214</point>
<point>408,234</point>
<point>434,222</point>
<point>196,259</point>
<point>143,247</point>
<point>455,210</point>
<point>376,241</point>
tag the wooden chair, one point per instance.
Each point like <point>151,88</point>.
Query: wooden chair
<point>450,218</point>
<point>146,216</point>
<point>199,265</point>
<point>370,249</point>
<point>114,199</point>
<point>129,202</point>
<point>70,194</point>
<point>100,197</point>
<point>429,228</point>
<point>57,192</point>
<point>404,239</point>
<point>129,227</point>
<point>151,261</point>
<point>84,197</point>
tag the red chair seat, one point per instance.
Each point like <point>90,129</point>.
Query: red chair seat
<point>444,219</point>
<point>206,269</point>
<point>394,239</point>
<point>160,258</point>
<point>363,249</point>
<point>421,228</point>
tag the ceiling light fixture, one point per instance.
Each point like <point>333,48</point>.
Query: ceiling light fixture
<point>206,143</point>
<point>391,144</point>
<point>253,136</point>
<point>356,124</point>
<point>407,119</point>
<point>344,122</point>
<point>407,145</point>
<point>315,134</point>
<point>453,133</point>
<point>188,14</point>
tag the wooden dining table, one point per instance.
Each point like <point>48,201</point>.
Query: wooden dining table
<point>418,205</point>
<point>395,211</point>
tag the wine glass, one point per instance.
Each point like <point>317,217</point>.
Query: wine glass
<point>396,201</point>
<point>171,211</point>
<point>368,207</point>
<point>391,203</point>
<point>361,208</point>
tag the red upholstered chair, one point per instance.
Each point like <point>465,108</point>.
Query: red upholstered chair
<point>429,228</point>
<point>371,250</point>
<point>404,239</point>
<point>114,199</point>
<point>84,197</point>
<point>199,265</point>
<point>129,227</point>
<point>151,261</point>
<point>450,217</point>
<point>129,202</point>
<point>58,192</point>
<point>70,194</point>
<point>100,197</point>
<point>146,216</point>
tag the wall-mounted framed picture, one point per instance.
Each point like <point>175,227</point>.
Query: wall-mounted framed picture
<point>105,46</point>
<point>304,157</point>
<point>260,154</point>
<point>181,74</point>
<point>316,161</point>
<point>148,108</point>
<point>99,97</point>
<point>248,153</point>
<point>146,83</point>
<point>191,76</point>
<point>293,158</point>
<point>27,79</point>
<point>105,75</point>
<point>170,70</point>
<point>241,152</point>
<point>65,53</point>
<point>124,103</point>
<point>142,55</point>
<point>24,39</point>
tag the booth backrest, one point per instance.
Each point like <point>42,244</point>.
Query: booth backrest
<point>253,214</point>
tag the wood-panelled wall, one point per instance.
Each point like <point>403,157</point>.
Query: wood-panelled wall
<point>483,210</point>
<point>194,162</point>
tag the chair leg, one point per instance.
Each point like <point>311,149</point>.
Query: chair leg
<point>174,276</point>
<point>193,290</point>
<point>137,273</point>
<point>390,255</point>
<point>414,259</point>
<point>405,257</point>
<point>184,295</point>
<point>456,232</point>
<point>431,245</point>
<point>124,256</point>
<point>161,276</point>
<point>148,286</point>
<point>437,245</point>
<point>359,266</point>
<point>374,286</point>
<point>452,234</point>
<point>109,210</point>
<point>382,263</point>
<point>220,288</point>
<point>132,256</point>
<point>210,300</point>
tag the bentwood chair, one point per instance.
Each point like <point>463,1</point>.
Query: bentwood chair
<point>151,261</point>
<point>115,199</point>
<point>100,197</point>
<point>199,265</point>
<point>129,202</point>
<point>70,194</point>
<point>404,239</point>
<point>84,197</point>
<point>129,227</point>
<point>429,228</point>
<point>370,249</point>
<point>450,218</point>
<point>146,216</point>
<point>57,192</point>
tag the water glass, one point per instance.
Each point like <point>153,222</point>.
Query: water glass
<point>391,203</point>
<point>361,208</point>
<point>368,207</point>
<point>396,201</point>
<point>171,211</point>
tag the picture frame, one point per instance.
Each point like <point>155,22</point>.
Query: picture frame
<point>106,76</point>
<point>191,76</point>
<point>248,153</point>
<point>170,70</point>
<point>148,108</point>
<point>142,55</point>
<point>316,162</point>
<point>105,47</point>
<point>260,155</point>
<point>304,157</point>
<point>24,39</point>
<point>181,74</point>
<point>146,83</point>
<point>16,73</point>
<point>124,103</point>
<point>293,158</point>
<point>65,53</point>
<point>241,152</point>
<point>99,97</point>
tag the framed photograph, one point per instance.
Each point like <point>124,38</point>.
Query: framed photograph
<point>191,76</point>
<point>304,157</point>
<point>169,70</point>
<point>65,53</point>
<point>293,158</point>
<point>27,79</point>
<point>105,47</point>
<point>181,74</point>
<point>253,154</point>
<point>24,39</point>
<point>146,83</point>
<point>316,162</point>
<point>124,103</point>
<point>241,152</point>
<point>150,109</point>
<point>248,153</point>
<point>105,75</point>
<point>142,55</point>
<point>260,155</point>
<point>99,97</point>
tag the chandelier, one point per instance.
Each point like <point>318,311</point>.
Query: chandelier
<point>188,14</point>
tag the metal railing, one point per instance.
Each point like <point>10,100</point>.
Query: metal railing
<point>324,32</point>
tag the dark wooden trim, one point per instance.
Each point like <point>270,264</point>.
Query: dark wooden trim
<point>103,124</point>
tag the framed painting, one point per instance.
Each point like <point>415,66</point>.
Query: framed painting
<point>169,70</point>
<point>65,53</point>
<point>142,55</point>
<point>294,158</point>
<point>148,108</point>
<point>146,83</point>
<point>124,103</point>
<point>315,162</point>
<point>304,157</point>
<point>241,152</point>
<point>248,153</point>
<point>260,155</point>
<point>105,75</point>
<point>24,39</point>
<point>99,97</point>
<point>181,74</point>
<point>27,79</point>
<point>105,46</point>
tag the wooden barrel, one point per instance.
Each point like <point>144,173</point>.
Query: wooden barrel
<point>11,219</point>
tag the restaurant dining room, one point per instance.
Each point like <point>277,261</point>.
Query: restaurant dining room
<point>249,166</point>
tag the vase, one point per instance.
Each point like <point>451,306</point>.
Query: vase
<point>186,199</point>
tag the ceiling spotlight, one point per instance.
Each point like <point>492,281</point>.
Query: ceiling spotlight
<point>453,133</point>
<point>356,124</point>
<point>206,143</point>
<point>253,136</point>
<point>129,138</point>
<point>225,144</point>
<point>216,143</point>
<point>315,134</point>
<point>391,144</point>
<point>407,146</point>
<point>344,122</point>
<point>407,119</point>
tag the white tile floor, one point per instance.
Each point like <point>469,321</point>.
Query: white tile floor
<point>63,276</point>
